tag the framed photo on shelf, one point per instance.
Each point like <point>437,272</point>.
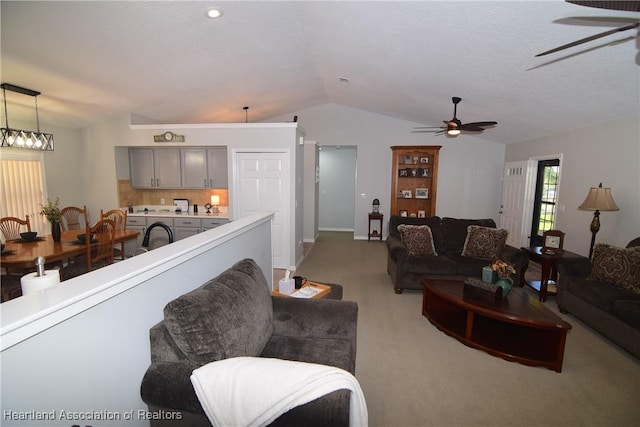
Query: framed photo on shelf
<point>424,160</point>
<point>406,194</point>
<point>404,213</point>
<point>407,159</point>
<point>425,173</point>
<point>422,193</point>
<point>415,172</point>
<point>403,172</point>
<point>422,214</point>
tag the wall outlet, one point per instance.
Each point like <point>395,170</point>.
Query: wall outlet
<point>162,201</point>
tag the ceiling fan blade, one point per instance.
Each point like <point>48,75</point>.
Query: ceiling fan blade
<point>428,127</point>
<point>626,5</point>
<point>478,124</point>
<point>596,21</point>
<point>428,130</point>
<point>590,38</point>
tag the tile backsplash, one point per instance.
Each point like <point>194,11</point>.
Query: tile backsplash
<point>139,196</point>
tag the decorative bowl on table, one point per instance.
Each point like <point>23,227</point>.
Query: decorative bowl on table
<point>29,235</point>
<point>83,237</point>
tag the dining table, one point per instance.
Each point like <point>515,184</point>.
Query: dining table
<point>20,254</point>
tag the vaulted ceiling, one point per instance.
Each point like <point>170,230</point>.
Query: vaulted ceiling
<point>168,63</point>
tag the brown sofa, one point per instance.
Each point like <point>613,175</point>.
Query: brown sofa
<point>449,236</point>
<point>610,308</point>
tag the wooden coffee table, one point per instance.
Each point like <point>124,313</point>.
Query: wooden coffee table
<point>519,328</point>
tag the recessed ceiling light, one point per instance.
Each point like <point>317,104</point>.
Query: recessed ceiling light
<point>214,12</point>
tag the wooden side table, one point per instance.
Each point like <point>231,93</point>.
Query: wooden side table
<point>376,233</point>
<point>329,290</point>
<point>548,263</point>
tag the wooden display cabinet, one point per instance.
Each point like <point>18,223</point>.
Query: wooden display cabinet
<point>414,178</point>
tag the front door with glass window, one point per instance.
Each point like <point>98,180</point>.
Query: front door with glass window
<point>546,195</point>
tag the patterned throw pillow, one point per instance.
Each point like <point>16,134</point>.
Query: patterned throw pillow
<point>484,242</point>
<point>617,266</point>
<point>418,239</point>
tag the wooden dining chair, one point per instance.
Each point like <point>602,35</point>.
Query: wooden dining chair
<point>11,227</point>
<point>99,250</point>
<point>71,216</point>
<point>119,217</point>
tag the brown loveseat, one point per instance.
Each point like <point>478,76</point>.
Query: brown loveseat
<point>449,237</point>
<point>605,293</point>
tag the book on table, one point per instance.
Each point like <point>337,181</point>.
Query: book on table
<point>312,290</point>
<point>308,291</point>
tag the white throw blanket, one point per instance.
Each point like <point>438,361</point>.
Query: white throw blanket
<point>254,391</point>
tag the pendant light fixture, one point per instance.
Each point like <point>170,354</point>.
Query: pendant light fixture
<point>18,138</point>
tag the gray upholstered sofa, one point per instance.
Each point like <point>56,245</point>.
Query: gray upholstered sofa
<point>449,235</point>
<point>235,315</point>
<point>588,290</point>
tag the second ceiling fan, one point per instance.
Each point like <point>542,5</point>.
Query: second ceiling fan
<point>455,126</point>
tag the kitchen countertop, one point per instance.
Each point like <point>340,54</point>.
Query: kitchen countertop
<point>164,211</point>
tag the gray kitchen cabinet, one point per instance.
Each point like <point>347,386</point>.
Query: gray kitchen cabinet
<point>141,171</point>
<point>185,227</point>
<point>194,168</point>
<point>155,167</point>
<point>135,224</point>
<point>204,167</point>
<point>217,168</point>
<point>209,223</point>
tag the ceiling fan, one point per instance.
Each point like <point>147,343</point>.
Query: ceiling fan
<point>629,6</point>
<point>455,126</point>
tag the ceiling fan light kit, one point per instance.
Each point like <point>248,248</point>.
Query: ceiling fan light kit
<point>455,127</point>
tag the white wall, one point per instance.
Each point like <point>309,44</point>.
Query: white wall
<point>470,168</point>
<point>607,153</point>
<point>469,174</point>
<point>84,345</point>
<point>469,181</point>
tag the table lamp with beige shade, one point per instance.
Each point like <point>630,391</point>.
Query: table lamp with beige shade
<point>215,202</point>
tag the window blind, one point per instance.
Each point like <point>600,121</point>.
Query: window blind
<point>23,191</point>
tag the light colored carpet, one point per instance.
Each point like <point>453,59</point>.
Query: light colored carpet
<point>414,375</point>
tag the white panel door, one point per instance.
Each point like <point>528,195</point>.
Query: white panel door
<point>249,170</point>
<point>263,186</point>
<point>514,201</point>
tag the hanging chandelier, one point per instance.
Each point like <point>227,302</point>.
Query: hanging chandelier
<point>18,138</point>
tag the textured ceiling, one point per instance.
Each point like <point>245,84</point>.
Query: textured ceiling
<point>168,63</point>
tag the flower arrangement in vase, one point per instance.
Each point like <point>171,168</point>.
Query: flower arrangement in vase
<point>504,270</point>
<point>52,212</point>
